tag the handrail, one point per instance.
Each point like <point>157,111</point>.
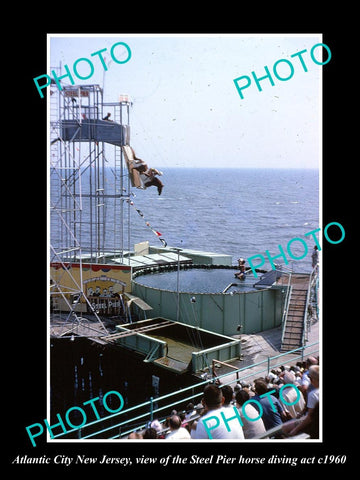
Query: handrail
<point>229,286</point>
<point>286,307</point>
<point>188,393</point>
<point>313,276</point>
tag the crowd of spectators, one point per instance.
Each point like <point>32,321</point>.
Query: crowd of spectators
<point>262,414</point>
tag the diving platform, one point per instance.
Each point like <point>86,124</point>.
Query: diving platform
<point>96,130</point>
<point>268,279</point>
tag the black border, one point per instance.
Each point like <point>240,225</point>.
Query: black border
<point>26,368</point>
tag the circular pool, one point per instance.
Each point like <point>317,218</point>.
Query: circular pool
<point>209,296</point>
<point>198,280</point>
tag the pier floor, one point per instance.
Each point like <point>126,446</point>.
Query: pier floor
<point>260,346</point>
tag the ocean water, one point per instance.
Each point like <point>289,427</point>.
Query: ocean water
<point>240,212</point>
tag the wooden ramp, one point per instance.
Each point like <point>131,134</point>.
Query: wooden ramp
<point>294,324</point>
<point>135,177</point>
<point>172,364</point>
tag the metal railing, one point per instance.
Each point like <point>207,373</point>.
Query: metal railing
<point>286,307</point>
<point>121,424</point>
<point>312,283</point>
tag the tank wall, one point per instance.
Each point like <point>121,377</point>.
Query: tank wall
<point>221,313</point>
<point>203,359</point>
<point>141,343</point>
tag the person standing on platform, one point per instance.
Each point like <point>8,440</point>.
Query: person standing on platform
<point>315,257</point>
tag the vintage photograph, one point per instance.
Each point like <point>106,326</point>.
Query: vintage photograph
<point>189,241</point>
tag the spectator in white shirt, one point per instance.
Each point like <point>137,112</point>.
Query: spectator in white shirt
<point>177,432</point>
<point>218,422</point>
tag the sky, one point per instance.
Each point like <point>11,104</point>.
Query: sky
<point>186,110</point>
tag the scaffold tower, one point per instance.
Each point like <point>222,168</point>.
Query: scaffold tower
<point>89,187</point>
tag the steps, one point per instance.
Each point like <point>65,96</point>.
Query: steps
<point>295,320</point>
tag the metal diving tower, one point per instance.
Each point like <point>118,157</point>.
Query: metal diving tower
<point>89,192</point>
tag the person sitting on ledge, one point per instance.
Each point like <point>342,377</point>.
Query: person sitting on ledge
<point>107,117</point>
<point>242,274</point>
